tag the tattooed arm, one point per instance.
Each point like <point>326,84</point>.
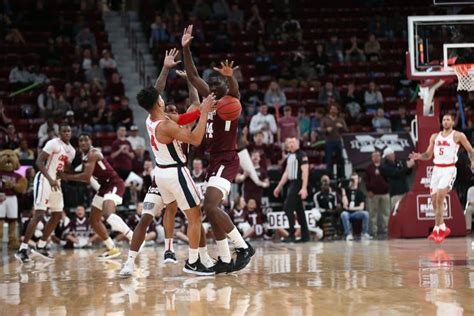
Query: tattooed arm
<point>428,154</point>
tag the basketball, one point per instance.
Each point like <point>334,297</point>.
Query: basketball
<point>229,108</point>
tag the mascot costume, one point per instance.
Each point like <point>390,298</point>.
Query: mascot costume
<point>11,184</point>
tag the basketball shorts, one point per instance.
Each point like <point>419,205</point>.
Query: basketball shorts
<point>176,184</point>
<point>111,191</point>
<point>44,196</point>
<point>222,170</point>
<point>442,178</point>
<point>9,207</point>
<point>153,202</point>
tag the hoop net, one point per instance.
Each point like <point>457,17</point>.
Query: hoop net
<point>465,76</point>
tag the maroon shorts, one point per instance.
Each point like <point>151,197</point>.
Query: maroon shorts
<point>222,170</point>
<point>112,190</point>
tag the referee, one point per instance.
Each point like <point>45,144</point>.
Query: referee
<point>296,174</point>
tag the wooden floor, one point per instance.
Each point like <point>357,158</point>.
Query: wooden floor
<point>400,277</point>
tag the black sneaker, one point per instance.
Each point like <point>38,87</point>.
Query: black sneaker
<point>43,253</point>
<point>22,255</point>
<point>222,267</point>
<point>197,268</point>
<point>170,257</point>
<point>243,257</point>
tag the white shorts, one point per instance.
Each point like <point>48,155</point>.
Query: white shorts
<point>98,201</point>
<point>219,183</point>
<point>442,178</point>
<point>176,184</point>
<point>44,197</point>
<point>153,202</point>
<point>9,207</point>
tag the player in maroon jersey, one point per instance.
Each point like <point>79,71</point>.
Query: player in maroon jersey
<point>107,198</point>
<point>224,161</point>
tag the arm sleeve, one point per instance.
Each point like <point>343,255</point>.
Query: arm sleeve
<point>186,118</point>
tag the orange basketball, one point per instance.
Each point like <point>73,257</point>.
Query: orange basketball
<point>229,108</point>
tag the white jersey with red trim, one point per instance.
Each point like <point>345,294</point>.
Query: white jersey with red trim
<point>445,149</point>
<point>59,153</point>
<point>165,154</point>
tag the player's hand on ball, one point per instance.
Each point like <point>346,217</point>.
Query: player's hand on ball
<point>208,103</point>
<point>182,74</point>
<point>187,36</point>
<point>170,58</point>
<point>227,69</point>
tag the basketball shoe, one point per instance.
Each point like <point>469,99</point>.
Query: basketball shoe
<point>243,257</point>
<point>110,254</point>
<point>42,253</point>
<point>22,255</point>
<point>197,268</point>
<point>170,257</point>
<point>442,234</point>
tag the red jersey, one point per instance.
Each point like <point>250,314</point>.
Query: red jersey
<point>103,171</point>
<point>8,176</point>
<point>221,136</point>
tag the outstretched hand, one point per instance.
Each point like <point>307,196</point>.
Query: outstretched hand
<point>414,156</point>
<point>208,104</point>
<point>170,58</point>
<point>187,36</point>
<point>226,68</point>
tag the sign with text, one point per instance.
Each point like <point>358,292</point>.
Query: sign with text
<point>424,207</point>
<point>278,220</point>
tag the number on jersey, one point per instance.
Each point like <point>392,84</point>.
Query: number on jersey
<point>209,129</point>
<point>441,151</point>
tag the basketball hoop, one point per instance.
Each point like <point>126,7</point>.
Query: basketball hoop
<point>465,75</point>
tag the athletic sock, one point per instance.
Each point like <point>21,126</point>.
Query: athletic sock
<point>23,246</point>
<point>119,225</point>
<point>436,229</point>
<point>109,243</point>
<point>131,256</point>
<point>41,243</point>
<point>223,250</point>
<point>442,226</point>
<point>204,256</point>
<point>237,239</point>
<point>169,244</point>
<point>193,255</point>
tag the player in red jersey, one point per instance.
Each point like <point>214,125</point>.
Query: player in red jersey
<point>107,198</point>
<point>224,161</point>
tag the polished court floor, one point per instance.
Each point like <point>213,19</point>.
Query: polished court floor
<point>398,277</point>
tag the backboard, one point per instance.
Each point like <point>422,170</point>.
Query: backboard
<point>436,42</point>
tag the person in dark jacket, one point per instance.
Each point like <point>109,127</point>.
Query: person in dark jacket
<point>396,173</point>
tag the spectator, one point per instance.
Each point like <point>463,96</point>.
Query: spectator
<point>303,123</point>
<point>23,152</point>
<point>122,154</point>
<point>291,29</point>
<point>115,88</point>
<point>316,121</point>
<point>251,99</point>
<point>320,60</point>
<point>11,139</point>
<point>48,124</point>
<point>235,19</point>
<point>328,94</point>
<point>264,65</point>
<point>373,97</point>
<point>334,49</point>
<point>353,204</point>
<point>380,123</point>
<point>396,173</point>
<point>86,62</point>
<point>124,115</point>
<point>79,234</point>
<point>266,150</point>
<point>62,32</point>
<point>255,220</point>
<point>84,114</point>
<point>63,225</point>
<point>86,39</point>
<point>198,173</point>
<point>265,123</point>
<point>333,126</point>
<point>255,23</point>
<point>71,121</point>
<point>275,97</point>
<point>107,63</point>
<point>469,210</point>
<point>325,200</point>
<point>202,10</point>
<point>288,126</point>
<point>102,117</point>
<point>402,121</point>
<point>250,189</point>
<point>76,74</point>
<point>140,157</point>
<point>353,51</point>
<point>379,199</point>
<point>62,106</point>
<point>95,73</point>
<point>135,139</point>
<point>4,119</point>
<point>50,135</point>
<point>222,42</point>
<point>238,215</point>
<point>351,100</point>
<point>372,48</point>
<point>220,9</point>
<point>19,75</point>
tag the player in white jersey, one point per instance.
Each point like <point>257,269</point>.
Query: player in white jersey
<point>444,147</point>
<point>55,157</point>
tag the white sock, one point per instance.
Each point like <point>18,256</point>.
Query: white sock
<point>109,243</point>
<point>119,225</point>
<point>23,246</point>
<point>131,256</point>
<point>169,244</point>
<point>442,226</point>
<point>193,255</point>
<point>436,229</point>
<point>205,259</point>
<point>223,250</point>
<point>41,243</point>
<point>237,239</point>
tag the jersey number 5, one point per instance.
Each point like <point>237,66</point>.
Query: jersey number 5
<point>441,151</point>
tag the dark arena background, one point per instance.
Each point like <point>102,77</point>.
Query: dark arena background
<point>336,100</point>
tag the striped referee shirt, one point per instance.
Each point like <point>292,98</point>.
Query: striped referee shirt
<point>293,164</point>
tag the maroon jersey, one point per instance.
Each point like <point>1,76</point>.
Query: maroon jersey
<point>79,227</point>
<point>221,136</point>
<point>8,176</point>
<point>238,216</point>
<point>103,171</point>
<point>253,191</point>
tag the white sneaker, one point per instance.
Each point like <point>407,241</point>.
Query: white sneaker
<point>349,237</point>
<point>366,237</point>
<point>127,270</point>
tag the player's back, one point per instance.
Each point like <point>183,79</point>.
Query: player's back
<point>445,149</point>
<point>59,154</point>
<point>221,135</point>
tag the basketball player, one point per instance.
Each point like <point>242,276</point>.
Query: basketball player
<point>224,162</point>
<point>55,157</point>
<point>444,147</point>
<point>171,175</point>
<point>106,199</point>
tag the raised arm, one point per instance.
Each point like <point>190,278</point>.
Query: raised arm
<point>191,71</point>
<point>169,63</point>
<point>86,174</point>
<point>227,70</point>
<point>428,154</point>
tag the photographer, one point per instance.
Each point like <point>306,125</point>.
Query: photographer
<point>353,203</point>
